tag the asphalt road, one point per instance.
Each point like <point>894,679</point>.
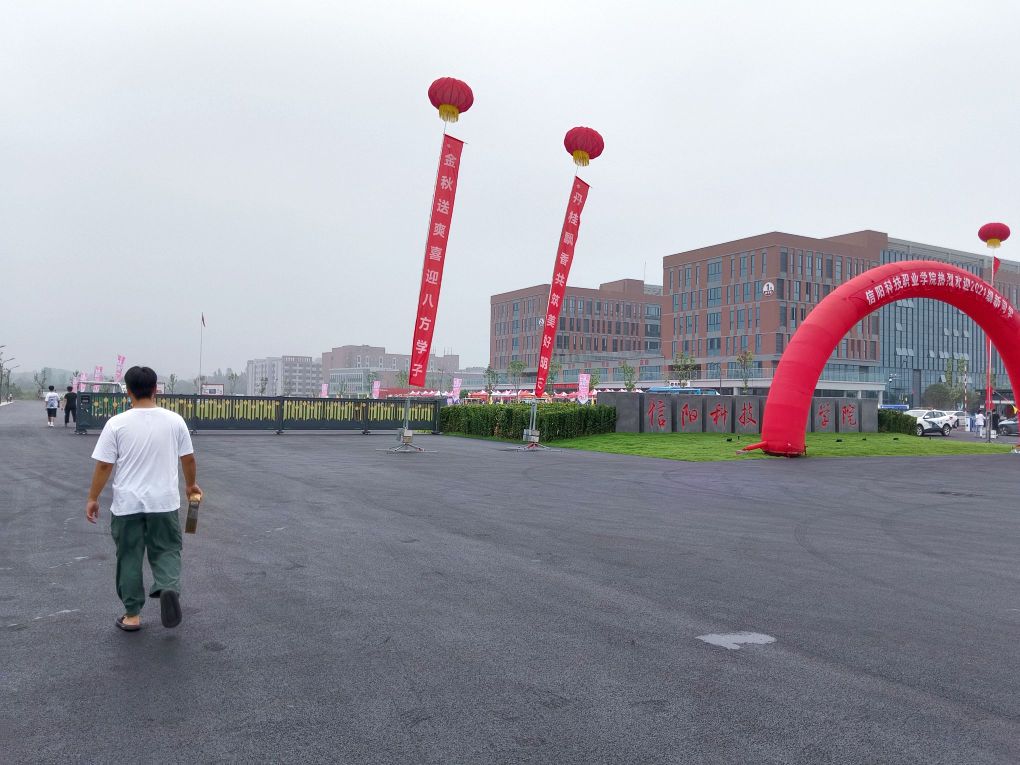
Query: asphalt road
<point>474,605</point>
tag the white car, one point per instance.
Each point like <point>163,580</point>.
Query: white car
<point>932,421</point>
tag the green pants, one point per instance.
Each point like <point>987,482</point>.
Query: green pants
<point>159,535</point>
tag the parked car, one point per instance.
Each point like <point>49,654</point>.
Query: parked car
<point>931,421</point>
<point>1008,427</point>
<point>959,418</point>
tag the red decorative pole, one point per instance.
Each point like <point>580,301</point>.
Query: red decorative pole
<point>993,235</point>
<point>584,145</point>
<point>450,97</point>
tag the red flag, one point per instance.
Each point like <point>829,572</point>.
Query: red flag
<point>435,256</point>
<point>561,270</point>
<point>995,265</point>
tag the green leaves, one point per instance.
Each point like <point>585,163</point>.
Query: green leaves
<point>508,421</point>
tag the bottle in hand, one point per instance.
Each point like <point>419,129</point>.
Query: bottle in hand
<point>191,524</point>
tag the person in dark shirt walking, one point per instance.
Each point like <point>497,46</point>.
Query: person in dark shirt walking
<point>70,406</point>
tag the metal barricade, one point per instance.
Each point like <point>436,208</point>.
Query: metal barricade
<point>277,413</point>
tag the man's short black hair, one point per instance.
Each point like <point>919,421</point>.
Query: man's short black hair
<point>51,387</point>
<point>141,381</point>
<point>69,389</point>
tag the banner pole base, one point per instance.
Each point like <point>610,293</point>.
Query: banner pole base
<point>406,435</point>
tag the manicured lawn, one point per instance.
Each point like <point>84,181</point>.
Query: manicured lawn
<point>710,447</point>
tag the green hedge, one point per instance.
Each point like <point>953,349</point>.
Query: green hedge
<point>508,421</point>
<point>892,421</point>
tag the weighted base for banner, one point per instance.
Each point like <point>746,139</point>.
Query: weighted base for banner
<point>406,435</point>
<point>531,435</point>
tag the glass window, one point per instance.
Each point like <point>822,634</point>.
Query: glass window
<point>714,296</point>
<point>714,271</point>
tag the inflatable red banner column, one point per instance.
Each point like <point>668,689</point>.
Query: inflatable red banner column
<point>450,97</point>
<point>583,144</point>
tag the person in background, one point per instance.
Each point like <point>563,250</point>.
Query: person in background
<point>145,444</point>
<point>979,422</point>
<point>52,399</point>
<point>70,406</point>
<point>994,424</point>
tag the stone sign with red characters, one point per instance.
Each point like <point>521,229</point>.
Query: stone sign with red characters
<point>657,414</point>
<point>746,414</point>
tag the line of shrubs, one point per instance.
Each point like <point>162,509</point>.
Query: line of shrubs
<point>554,421</point>
<point>891,421</point>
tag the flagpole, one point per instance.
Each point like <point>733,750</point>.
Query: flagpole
<point>201,340</point>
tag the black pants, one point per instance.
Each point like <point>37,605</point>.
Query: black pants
<point>70,413</point>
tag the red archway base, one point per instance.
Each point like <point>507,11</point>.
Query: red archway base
<point>784,422</point>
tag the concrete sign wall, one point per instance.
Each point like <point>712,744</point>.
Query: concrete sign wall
<point>719,414</point>
<point>690,414</point>
<point>669,413</point>
<point>849,415</point>
<point>657,413</point>
<point>747,414</point>
<point>824,412</point>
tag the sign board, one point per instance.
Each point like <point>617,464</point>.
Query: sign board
<point>583,385</point>
<point>768,288</point>
<point>376,385</point>
<point>160,388</point>
<point>212,389</point>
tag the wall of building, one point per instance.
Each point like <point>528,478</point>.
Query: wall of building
<point>752,294</point>
<point>284,376</point>
<point>621,319</point>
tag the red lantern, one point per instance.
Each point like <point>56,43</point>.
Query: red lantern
<point>450,97</point>
<point>993,234</point>
<point>584,144</point>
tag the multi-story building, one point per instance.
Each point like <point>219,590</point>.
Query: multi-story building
<point>751,295</point>
<point>924,342</point>
<point>352,369</point>
<point>617,322</point>
<point>386,365</point>
<point>284,376</point>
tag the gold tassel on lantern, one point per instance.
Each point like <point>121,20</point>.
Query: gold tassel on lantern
<point>580,158</point>
<point>448,112</point>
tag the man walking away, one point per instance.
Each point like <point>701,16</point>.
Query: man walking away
<point>979,420</point>
<point>70,406</point>
<point>145,444</point>
<point>52,402</point>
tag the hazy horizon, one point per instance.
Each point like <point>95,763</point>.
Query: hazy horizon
<point>272,166</point>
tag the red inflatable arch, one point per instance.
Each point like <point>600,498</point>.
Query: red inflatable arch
<point>785,419</point>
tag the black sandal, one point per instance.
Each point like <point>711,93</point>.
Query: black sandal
<point>127,627</point>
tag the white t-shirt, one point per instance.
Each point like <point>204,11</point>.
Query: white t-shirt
<point>52,400</point>
<point>145,444</point>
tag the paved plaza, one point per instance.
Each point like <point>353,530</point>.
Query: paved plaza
<point>476,605</point>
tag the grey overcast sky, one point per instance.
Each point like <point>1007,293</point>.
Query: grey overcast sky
<point>272,163</point>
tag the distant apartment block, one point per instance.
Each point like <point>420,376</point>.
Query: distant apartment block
<point>347,364</point>
<point>284,376</point>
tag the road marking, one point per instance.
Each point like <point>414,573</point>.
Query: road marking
<point>734,640</point>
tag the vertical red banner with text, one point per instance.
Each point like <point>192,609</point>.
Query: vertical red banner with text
<point>561,270</point>
<point>435,256</point>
